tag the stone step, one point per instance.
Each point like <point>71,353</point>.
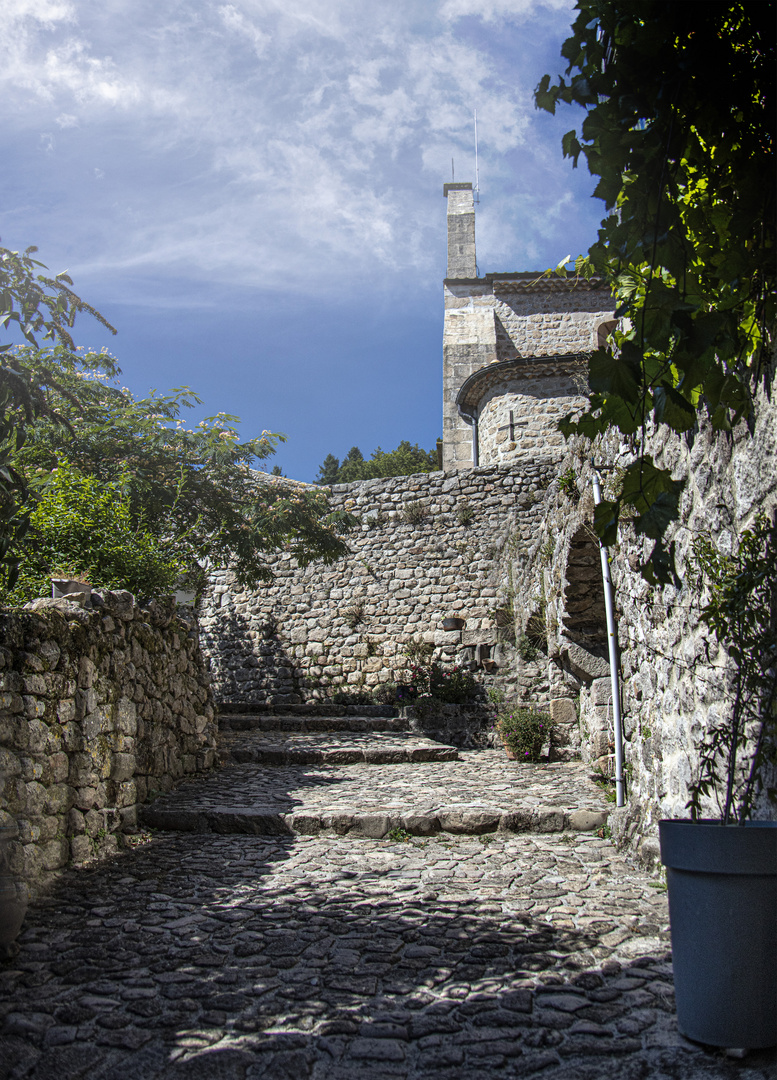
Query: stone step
<point>309,723</point>
<point>310,708</point>
<point>481,792</point>
<point>277,748</point>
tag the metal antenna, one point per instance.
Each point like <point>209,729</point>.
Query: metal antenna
<point>453,174</point>
<point>477,173</point>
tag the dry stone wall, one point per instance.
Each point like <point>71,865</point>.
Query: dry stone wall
<point>675,676</point>
<point>100,710</point>
<point>428,547</point>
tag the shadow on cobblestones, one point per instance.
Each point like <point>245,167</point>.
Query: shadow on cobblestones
<point>253,959</point>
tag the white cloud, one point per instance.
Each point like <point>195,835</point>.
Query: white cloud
<point>492,10</point>
<point>261,138</point>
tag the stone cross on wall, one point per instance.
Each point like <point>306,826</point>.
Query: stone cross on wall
<point>509,427</point>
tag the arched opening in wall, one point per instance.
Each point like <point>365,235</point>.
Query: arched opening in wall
<point>584,619</point>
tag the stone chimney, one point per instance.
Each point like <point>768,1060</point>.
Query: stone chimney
<point>461,231</point>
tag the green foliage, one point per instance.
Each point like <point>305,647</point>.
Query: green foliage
<point>456,685</point>
<point>403,461</point>
<point>680,131</point>
<point>607,786</point>
<point>327,473</point>
<point>354,615</point>
<point>196,486</point>
<point>430,681</point>
<point>465,514</point>
<point>398,835</point>
<point>33,304</point>
<point>740,611</point>
<point>527,648</point>
<point>567,483</point>
<point>84,528</point>
<point>414,513</point>
<point>524,732</point>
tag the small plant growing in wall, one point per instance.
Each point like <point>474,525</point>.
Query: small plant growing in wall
<point>354,615</point>
<point>414,513</point>
<point>504,618</point>
<point>465,514</point>
<point>527,650</point>
<point>567,483</point>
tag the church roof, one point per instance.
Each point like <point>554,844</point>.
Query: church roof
<point>520,367</point>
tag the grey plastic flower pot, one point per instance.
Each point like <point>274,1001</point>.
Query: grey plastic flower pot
<point>722,884</point>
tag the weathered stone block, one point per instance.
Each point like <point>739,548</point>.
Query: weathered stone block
<point>601,691</point>
<point>585,664</point>
<point>123,767</point>
<point>81,850</point>
<point>563,711</point>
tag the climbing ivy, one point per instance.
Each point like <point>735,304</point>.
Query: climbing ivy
<point>680,105</point>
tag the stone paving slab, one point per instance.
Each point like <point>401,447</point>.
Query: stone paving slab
<point>272,747</point>
<point>241,958</point>
<point>481,792</point>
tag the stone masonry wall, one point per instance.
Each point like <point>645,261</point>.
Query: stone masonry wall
<point>427,548</point>
<point>495,319</point>
<point>675,677</point>
<point>548,318</point>
<point>100,710</point>
<point>516,425</point>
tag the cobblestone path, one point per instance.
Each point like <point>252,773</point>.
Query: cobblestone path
<point>345,957</point>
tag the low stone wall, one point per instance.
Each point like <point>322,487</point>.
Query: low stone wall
<point>100,710</point>
<point>428,547</point>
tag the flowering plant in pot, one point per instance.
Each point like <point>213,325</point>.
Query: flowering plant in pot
<point>524,732</point>
<point>722,870</point>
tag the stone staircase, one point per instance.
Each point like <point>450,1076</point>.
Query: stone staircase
<point>360,771</point>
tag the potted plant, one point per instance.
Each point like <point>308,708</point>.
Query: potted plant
<point>524,733</point>
<point>722,870</point>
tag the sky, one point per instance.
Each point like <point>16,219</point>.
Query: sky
<point>251,192</point>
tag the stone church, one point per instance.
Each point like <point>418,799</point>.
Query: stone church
<point>515,348</point>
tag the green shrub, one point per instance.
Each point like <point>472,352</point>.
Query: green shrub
<point>455,685</point>
<point>385,693</point>
<point>524,732</point>
<point>567,483</point>
<point>85,526</point>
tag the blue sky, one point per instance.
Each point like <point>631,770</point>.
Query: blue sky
<point>251,191</point>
